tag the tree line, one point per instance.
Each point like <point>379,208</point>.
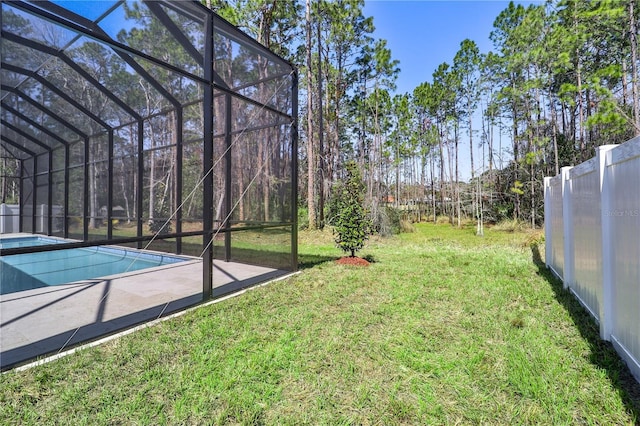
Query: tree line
<point>136,128</point>
<point>560,80</point>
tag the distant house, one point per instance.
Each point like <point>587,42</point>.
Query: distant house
<point>389,200</point>
<point>117,212</point>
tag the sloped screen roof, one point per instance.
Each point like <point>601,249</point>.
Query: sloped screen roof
<point>120,119</point>
<point>72,69</point>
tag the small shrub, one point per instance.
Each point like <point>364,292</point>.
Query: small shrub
<point>394,217</point>
<point>303,218</point>
<point>369,258</point>
<point>387,221</point>
<point>160,226</point>
<point>498,212</point>
<point>407,227</point>
<point>534,239</point>
<point>510,225</point>
<point>352,225</point>
<point>440,220</point>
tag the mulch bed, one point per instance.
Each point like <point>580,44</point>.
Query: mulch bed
<point>355,261</point>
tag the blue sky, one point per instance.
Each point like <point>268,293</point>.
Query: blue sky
<point>422,34</point>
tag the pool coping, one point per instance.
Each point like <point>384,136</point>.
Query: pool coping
<point>111,249</point>
<point>49,321</point>
<point>114,336</point>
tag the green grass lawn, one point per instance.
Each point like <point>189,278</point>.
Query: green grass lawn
<point>443,328</point>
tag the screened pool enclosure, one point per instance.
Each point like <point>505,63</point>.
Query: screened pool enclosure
<point>148,124</point>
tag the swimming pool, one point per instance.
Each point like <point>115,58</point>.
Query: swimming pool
<point>34,270</point>
<point>29,241</point>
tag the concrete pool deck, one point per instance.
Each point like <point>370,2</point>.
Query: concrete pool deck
<point>53,319</point>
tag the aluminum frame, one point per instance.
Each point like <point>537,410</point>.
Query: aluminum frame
<point>36,140</point>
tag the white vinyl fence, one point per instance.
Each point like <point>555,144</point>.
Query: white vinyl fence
<point>592,234</point>
<point>9,218</point>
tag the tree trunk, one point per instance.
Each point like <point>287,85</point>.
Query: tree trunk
<point>580,114</point>
<point>311,205</point>
<point>433,189</point>
<point>451,148</point>
<point>457,182</point>
<point>266,175</point>
<point>93,196</point>
<point>321,176</point>
<point>533,193</point>
<point>123,183</point>
<point>151,153</point>
<point>442,186</point>
<point>633,34</point>
<point>136,214</point>
<point>625,83</point>
<point>554,132</point>
<point>490,125</point>
<point>3,187</point>
<point>470,140</point>
<point>516,164</point>
<point>397,200</point>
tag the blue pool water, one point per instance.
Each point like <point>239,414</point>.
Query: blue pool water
<point>34,270</point>
<point>14,242</point>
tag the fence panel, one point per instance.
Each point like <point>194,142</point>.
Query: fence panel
<point>624,216</point>
<point>9,218</point>
<point>587,236</point>
<point>592,230</point>
<point>555,254</point>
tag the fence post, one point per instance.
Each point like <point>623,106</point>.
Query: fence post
<point>6,215</point>
<point>567,228</point>
<point>41,224</point>
<point>606,316</point>
<point>4,218</point>
<point>547,222</point>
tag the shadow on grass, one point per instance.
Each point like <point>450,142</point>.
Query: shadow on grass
<point>603,355</point>
<point>267,255</point>
<point>306,261</point>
